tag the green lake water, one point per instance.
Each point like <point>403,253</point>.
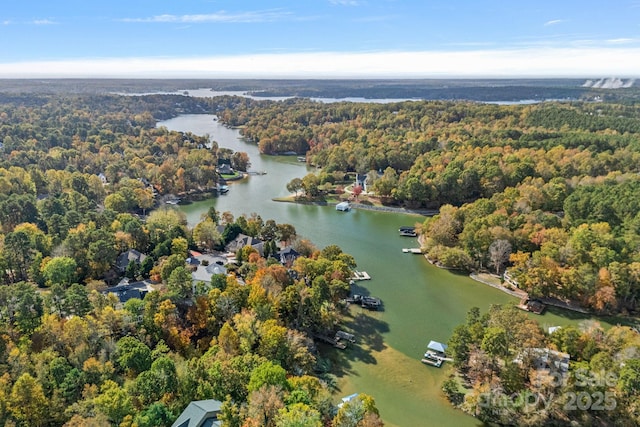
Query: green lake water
<point>421,302</point>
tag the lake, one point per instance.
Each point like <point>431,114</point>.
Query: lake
<point>421,302</point>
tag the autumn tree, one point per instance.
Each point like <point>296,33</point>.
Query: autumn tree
<point>499,252</point>
<point>27,401</point>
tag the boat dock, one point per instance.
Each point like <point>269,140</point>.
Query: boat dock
<point>372,303</point>
<point>360,275</point>
<point>416,251</point>
<point>334,342</point>
<point>435,355</point>
<point>432,361</point>
<point>532,305</point>
<point>342,335</point>
<point>339,340</point>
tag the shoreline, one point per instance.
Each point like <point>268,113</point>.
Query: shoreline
<point>390,209</point>
<point>520,293</point>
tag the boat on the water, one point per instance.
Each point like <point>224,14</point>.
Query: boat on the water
<point>408,231</point>
<point>372,303</point>
<point>432,360</point>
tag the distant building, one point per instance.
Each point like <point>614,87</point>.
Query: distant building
<point>243,240</point>
<point>123,260</point>
<point>126,290</point>
<point>286,256</point>
<point>200,413</point>
<point>204,266</point>
<point>546,359</point>
<point>225,169</point>
<point>361,180</point>
<point>103,178</point>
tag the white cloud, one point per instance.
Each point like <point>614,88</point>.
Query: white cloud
<point>345,2</point>
<point>533,62</point>
<point>553,22</point>
<point>621,41</point>
<point>221,16</point>
<point>44,22</point>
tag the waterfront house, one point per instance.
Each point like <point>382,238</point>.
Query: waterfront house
<point>361,180</point>
<point>545,360</point>
<point>225,169</point>
<point>286,256</point>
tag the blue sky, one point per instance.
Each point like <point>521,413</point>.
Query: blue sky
<point>320,38</point>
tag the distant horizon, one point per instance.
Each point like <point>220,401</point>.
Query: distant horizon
<point>517,64</point>
<point>317,78</point>
<point>325,39</point>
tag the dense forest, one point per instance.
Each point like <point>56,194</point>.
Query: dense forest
<point>548,190</point>
<point>511,372</point>
<point>81,177</point>
<point>485,90</point>
<point>545,192</point>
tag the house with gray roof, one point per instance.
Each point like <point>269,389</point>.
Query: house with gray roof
<point>126,290</point>
<point>123,260</point>
<point>225,169</point>
<point>243,240</point>
<point>203,266</point>
<point>200,413</point>
<point>286,256</point>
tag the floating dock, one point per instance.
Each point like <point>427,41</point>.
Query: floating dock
<point>360,275</point>
<point>416,251</point>
<point>432,362</point>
